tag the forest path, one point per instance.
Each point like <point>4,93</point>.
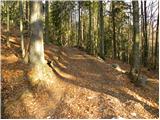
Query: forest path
<point>92,88</point>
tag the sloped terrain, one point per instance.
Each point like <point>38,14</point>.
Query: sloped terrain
<point>85,87</point>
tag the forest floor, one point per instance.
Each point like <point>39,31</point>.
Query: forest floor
<point>86,87</point>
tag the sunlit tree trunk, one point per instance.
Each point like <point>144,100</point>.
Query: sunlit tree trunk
<point>21,28</point>
<point>36,48</point>
<point>101,29</point>
<point>135,65</point>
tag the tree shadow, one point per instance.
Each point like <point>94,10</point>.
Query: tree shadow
<point>98,79</point>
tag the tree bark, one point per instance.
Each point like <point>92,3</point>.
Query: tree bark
<point>21,28</point>
<point>135,65</point>
<point>79,24</point>
<point>157,44</point>
<point>36,48</point>
<point>8,24</point>
<point>46,22</point>
<point>145,36</point>
<point>89,44</point>
<point>101,29</point>
<point>114,32</point>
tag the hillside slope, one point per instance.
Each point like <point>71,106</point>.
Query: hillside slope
<point>86,87</point>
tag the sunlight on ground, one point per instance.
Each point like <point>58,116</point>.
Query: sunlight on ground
<point>10,59</point>
<point>136,96</point>
<point>64,75</point>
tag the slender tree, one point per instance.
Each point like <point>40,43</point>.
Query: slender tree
<point>114,30</point>
<point>135,65</point>
<point>8,23</point>
<point>89,44</point>
<point>156,44</point>
<point>79,24</point>
<point>145,36</point>
<point>46,22</point>
<point>21,28</point>
<point>101,29</point>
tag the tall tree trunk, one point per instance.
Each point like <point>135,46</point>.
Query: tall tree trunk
<point>82,30</point>
<point>8,24</point>
<point>157,44</point>
<point>152,24</point>
<point>89,43</point>
<point>136,38</point>
<point>142,32</point>
<point>145,36</point>
<point>21,28</point>
<point>101,29</point>
<point>79,24</point>
<point>114,31</point>
<point>46,22</point>
<point>36,48</point>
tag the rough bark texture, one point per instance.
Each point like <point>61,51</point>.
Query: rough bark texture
<point>36,48</point>
<point>135,65</point>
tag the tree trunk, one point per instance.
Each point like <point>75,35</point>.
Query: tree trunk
<point>101,29</point>
<point>21,28</point>
<point>142,32</point>
<point>8,24</point>
<point>79,24</point>
<point>36,48</point>
<point>114,31</point>
<point>156,44</point>
<point>135,65</point>
<point>89,43</point>
<point>145,36</point>
<point>46,22</point>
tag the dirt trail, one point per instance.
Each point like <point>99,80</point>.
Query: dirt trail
<point>91,88</point>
